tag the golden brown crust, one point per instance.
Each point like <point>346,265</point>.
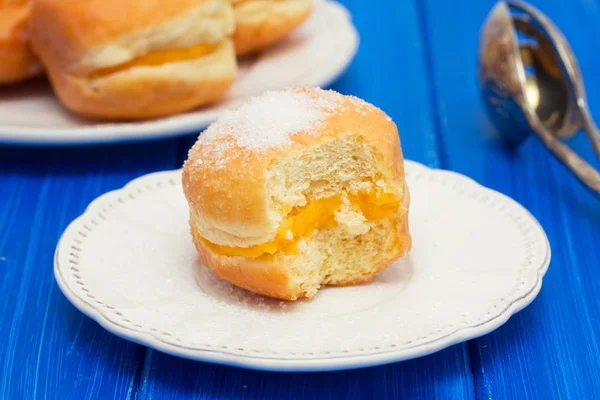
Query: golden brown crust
<point>10,3</point>
<point>208,189</point>
<point>148,93</point>
<point>89,23</point>
<point>79,37</point>
<point>271,277</point>
<point>17,60</point>
<point>253,35</point>
<point>210,197</point>
<point>259,276</point>
<point>133,101</point>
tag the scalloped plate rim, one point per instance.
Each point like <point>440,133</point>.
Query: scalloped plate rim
<point>336,363</point>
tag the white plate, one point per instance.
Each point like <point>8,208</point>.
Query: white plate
<point>478,258</point>
<point>315,55</point>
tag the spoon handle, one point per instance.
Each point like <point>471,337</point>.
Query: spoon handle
<point>584,171</point>
<point>591,130</point>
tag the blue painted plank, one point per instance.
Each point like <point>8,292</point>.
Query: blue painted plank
<point>48,349</point>
<point>389,72</point>
<point>551,349</point>
<point>440,376</point>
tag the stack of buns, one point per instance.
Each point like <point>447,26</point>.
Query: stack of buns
<point>298,189</point>
<point>129,59</point>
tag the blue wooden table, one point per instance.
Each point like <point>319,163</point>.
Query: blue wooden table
<point>417,61</point>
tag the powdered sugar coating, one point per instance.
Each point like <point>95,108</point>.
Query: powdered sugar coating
<point>264,122</point>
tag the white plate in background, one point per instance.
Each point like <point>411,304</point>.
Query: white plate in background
<point>316,54</point>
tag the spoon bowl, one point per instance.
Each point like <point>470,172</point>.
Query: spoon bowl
<point>501,76</point>
<point>553,81</point>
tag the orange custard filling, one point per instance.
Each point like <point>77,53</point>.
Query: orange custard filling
<point>159,57</point>
<point>303,221</point>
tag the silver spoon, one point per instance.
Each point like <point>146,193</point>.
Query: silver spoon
<point>531,83</point>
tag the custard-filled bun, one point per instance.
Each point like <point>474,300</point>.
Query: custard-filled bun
<point>129,59</point>
<point>261,23</point>
<point>297,189</point>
